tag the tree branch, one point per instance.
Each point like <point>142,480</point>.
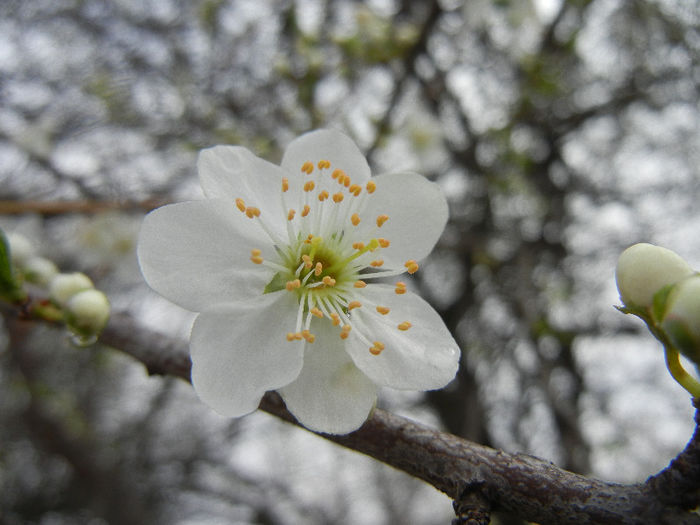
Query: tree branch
<point>534,489</point>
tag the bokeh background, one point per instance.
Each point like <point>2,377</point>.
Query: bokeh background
<point>561,132</point>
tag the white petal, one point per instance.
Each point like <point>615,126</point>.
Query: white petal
<point>330,145</point>
<point>197,254</point>
<point>424,357</point>
<point>239,352</point>
<point>231,172</point>
<point>417,213</point>
<point>330,395</point>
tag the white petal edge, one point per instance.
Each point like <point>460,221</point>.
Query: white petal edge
<point>417,212</point>
<point>424,357</point>
<point>231,172</point>
<point>330,145</point>
<point>197,254</point>
<point>239,352</point>
<point>330,395</point>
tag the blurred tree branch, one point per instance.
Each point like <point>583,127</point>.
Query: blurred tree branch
<point>529,487</point>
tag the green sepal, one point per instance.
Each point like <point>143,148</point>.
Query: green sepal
<point>682,339</point>
<point>9,286</point>
<point>278,282</point>
<point>660,303</point>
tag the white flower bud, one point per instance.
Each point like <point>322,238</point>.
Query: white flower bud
<point>66,285</point>
<point>21,249</point>
<point>682,320</point>
<point>39,270</point>
<point>643,269</point>
<point>88,311</point>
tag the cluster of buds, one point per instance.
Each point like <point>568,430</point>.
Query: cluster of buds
<point>72,297</point>
<point>660,287</point>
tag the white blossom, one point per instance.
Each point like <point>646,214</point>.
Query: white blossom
<point>296,272</point>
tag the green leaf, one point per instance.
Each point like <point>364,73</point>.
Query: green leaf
<point>278,282</point>
<point>9,287</point>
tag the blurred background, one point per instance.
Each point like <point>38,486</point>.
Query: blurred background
<point>561,132</point>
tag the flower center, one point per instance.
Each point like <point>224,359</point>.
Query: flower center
<point>324,261</point>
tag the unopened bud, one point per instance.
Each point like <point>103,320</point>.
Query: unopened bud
<point>20,249</point>
<point>66,285</point>
<point>88,311</point>
<point>682,320</point>
<point>39,270</point>
<point>644,269</point>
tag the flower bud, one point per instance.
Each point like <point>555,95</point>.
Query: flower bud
<point>39,270</point>
<point>88,311</point>
<point>643,269</point>
<point>66,285</point>
<point>682,320</point>
<point>21,249</point>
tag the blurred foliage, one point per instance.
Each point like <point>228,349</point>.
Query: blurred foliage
<point>560,131</point>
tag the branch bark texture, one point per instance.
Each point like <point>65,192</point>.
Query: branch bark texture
<point>529,487</point>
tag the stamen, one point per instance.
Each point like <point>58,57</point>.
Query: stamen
<point>291,336</point>
<point>252,211</point>
<point>255,251</point>
<point>307,167</point>
<point>346,181</point>
<point>377,348</point>
<point>240,204</point>
<point>381,220</point>
<point>383,310</point>
<point>336,319</point>
<point>306,210</point>
<point>355,219</point>
<point>400,288</point>
<point>291,214</point>
<point>318,269</point>
<point>285,183</point>
<point>383,243</point>
<point>360,284</point>
<point>256,259</point>
<point>292,285</point>
<point>328,280</point>
<point>336,173</point>
<point>318,313</point>
<point>355,189</point>
<point>308,336</point>
<point>358,245</point>
<point>338,197</point>
<point>308,261</point>
<point>404,326</point>
<point>411,266</point>
<point>377,263</point>
<point>323,195</point>
<point>309,185</point>
<point>354,304</point>
<point>371,186</point>
<point>323,164</point>
<point>345,331</point>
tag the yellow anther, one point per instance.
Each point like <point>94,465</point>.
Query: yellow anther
<point>252,211</point>
<point>355,219</point>
<point>344,335</point>
<point>400,288</point>
<point>323,164</point>
<point>308,336</point>
<point>411,266</point>
<point>404,326</point>
<point>383,310</point>
<point>337,173</point>
<point>410,262</point>
<point>377,348</point>
<point>257,259</point>
<point>292,285</point>
<point>291,336</point>
<point>360,284</point>
<point>336,319</point>
<point>285,183</point>
<point>337,197</point>
<point>307,167</point>
<point>318,269</point>
<point>306,210</point>
<point>358,245</point>
<point>383,243</point>
<point>291,214</point>
<point>354,304</point>
<point>346,181</point>
<point>345,331</point>
<point>323,195</point>
<point>255,251</point>
<point>308,240</point>
<point>308,261</point>
<point>315,311</point>
<point>382,219</point>
<point>328,280</point>
<point>309,185</point>
<point>240,204</point>
<point>377,263</point>
<point>371,186</point>
<point>355,189</point>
